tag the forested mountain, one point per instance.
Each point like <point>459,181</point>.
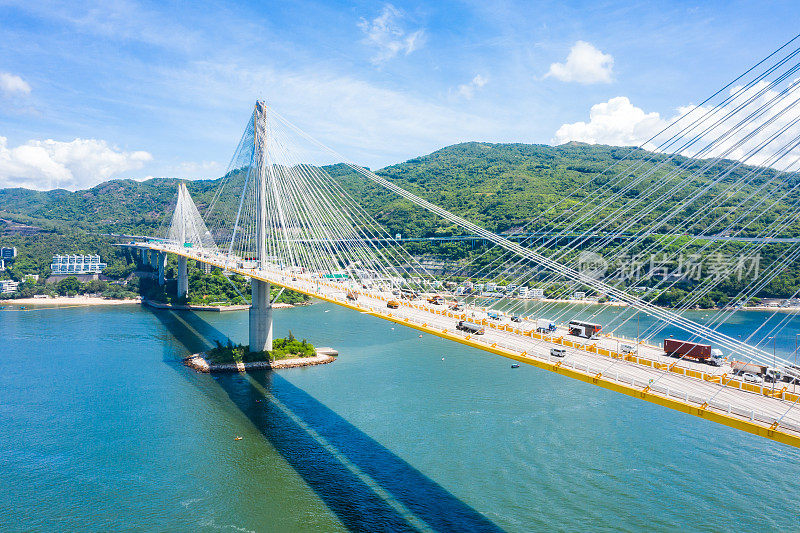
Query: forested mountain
<point>500,186</point>
<point>503,187</point>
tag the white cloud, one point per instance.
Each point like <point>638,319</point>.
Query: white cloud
<point>467,90</point>
<point>71,165</point>
<point>386,33</point>
<point>12,84</point>
<point>759,126</point>
<point>617,122</point>
<point>585,64</point>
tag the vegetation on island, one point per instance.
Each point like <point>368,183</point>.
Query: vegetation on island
<point>284,348</point>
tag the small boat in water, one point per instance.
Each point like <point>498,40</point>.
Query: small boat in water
<point>515,365</point>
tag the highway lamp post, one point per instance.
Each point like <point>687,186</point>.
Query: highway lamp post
<point>794,379</point>
<point>773,363</point>
<point>637,334</point>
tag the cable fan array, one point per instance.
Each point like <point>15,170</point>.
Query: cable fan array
<point>310,224</point>
<point>724,170</point>
<point>187,226</point>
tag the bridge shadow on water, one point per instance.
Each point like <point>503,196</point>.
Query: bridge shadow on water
<point>367,486</point>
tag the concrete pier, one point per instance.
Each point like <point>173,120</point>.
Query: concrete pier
<point>261,307</point>
<point>162,265</point>
<point>260,316</point>
<point>183,277</point>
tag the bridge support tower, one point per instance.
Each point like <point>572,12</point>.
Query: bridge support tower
<point>261,306</point>
<point>162,265</point>
<point>183,277</point>
<point>260,316</point>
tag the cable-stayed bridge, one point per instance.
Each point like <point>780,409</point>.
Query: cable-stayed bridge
<point>288,213</point>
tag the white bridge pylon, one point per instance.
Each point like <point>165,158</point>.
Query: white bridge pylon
<point>296,226</point>
<point>187,226</point>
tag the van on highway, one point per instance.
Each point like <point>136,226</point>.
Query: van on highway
<point>558,352</point>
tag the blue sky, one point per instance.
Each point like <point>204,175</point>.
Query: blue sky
<point>91,91</point>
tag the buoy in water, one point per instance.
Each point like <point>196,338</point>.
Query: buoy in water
<point>420,336</point>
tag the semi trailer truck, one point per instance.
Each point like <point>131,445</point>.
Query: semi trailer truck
<point>694,351</point>
<point>469,327</point>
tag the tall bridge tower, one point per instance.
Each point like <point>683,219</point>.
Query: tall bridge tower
<point>261,306</point>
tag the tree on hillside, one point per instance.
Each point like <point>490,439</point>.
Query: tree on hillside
<point>68,286</point>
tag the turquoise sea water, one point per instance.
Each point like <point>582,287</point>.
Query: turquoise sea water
<point>102,428</point>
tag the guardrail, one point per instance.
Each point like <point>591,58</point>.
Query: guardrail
<point>589,371</point>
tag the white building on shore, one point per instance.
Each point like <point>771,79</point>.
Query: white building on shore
<point>76,264</point>
<point>7,286</point>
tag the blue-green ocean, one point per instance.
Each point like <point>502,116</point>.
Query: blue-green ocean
<point>102,428</point>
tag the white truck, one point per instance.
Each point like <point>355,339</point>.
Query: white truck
<point>544,325</point>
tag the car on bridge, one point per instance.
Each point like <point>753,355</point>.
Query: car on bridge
<point>749,377</point>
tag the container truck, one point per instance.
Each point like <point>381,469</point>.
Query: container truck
<point>791,374</point>
<point>586,330</point>
<point>469,327</point>
<point>544,325</point>
<point>694,351</point>
<point>764,371</point>
<point>740,367</point>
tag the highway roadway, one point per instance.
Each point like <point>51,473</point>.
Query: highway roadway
<point>754,411</point>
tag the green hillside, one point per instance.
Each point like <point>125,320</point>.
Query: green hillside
<point>499,186</point>
<point>503,187</point>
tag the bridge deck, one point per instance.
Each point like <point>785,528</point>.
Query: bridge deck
<point>696,389</point>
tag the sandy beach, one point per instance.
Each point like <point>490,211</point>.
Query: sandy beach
<point>63,301</point>
<point>768,308</point>
<point>69,300</point>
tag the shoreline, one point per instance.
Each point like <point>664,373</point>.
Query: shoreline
<point>74,301</point>
<point>217,308</point>
<point>758,308</point>
<point>59,301</point>
<point>198,363</point>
